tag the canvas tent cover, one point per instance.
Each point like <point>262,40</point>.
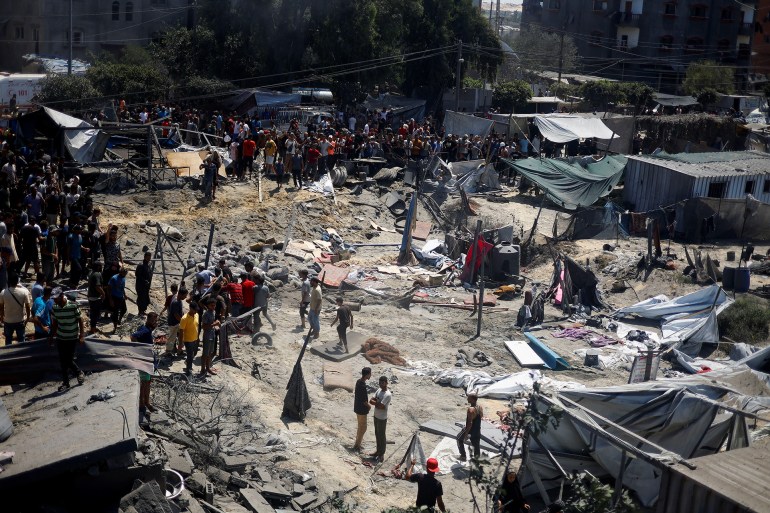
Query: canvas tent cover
<point>83,145</point>
<point>572,185</point>
<point>670,100</point>
<point>464,124</point>
<point>248,101</point>
<point>402,106</point>
<point>561,128</point>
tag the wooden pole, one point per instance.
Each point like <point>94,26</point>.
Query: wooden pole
<point>481,297</point>
<point>208,247</point>
<point>475,246</point>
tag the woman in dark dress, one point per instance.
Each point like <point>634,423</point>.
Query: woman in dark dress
<point>510,499</point>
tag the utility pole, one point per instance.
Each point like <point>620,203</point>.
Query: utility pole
<point>69,62</point>
<point>459,70</point>
<point>561,52</point>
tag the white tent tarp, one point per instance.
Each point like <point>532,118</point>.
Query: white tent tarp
<point>464,124</point>
<point>84,145</point>
<point>561,128</point>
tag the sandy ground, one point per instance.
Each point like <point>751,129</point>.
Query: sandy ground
<point>422,333</point>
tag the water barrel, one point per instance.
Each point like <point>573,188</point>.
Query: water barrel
<point>506,260</point>
<point>728,278</point>
<point>742,279</point>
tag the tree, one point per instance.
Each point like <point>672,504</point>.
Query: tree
<point>708,75</point>
<point>538,50</point>
<point>68,92</point>
<point>600,93</point>
<point>511,95</point>
<point>130,82</point>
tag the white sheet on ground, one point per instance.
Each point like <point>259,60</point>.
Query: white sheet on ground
<point>448,456</point>
<point>561,128</point>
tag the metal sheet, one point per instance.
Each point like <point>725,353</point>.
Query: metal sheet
<point>523,353</point>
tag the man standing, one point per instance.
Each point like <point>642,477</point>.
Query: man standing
<point>429,489</point>
<point>271,149</point>
<point>345,318</point>
<point>68,328</point>
<point>117,285</point>
<point>304,299</point>
<point>361,406</point>
<point>472,428</point>
<point>380,401</point>
<point>247,291</point>
<point>41,309</point>
<point>95,296</point>
<point>210,324</point>
<point>316,299</point>
<point>261,296</point>
<point>144,335</point>
<point>143,276</point>
<point>188,327</point>
<point>175,314</point>
<point>249,148</point>
<point>14,302</point>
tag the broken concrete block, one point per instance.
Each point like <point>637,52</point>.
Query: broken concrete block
<point>276,491</point>
<point>298,489</point>
<point>196,483</point>
<point>262,474</point>
<point>237,462</point>
<point>148,498</point>
<point>304,500</point>
<point>228,505</point>
<point>218,475</point>
<point>238,481</point>
<point>255,502</point>
<point>310,484</point>
<point>177,460</point>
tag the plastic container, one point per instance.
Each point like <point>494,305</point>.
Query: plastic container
<point>728,278</point>
<point>742,279</point>
<point>506,261</point>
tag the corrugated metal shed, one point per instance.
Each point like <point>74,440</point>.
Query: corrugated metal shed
<point>733,481</point>
<point>661,180</point>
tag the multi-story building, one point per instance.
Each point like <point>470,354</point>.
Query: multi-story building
<point>760,51</point>
<point>43,26</point>
<point>651,41</point>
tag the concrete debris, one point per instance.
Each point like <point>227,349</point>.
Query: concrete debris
<point>147,498</point>
<point>255,501</point>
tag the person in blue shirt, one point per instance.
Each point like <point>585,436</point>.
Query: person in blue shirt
<point>41,312</point>
<point>144,335</point>
<point>117,286</point>
<point>39,286</point>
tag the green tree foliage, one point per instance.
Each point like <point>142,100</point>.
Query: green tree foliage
<point>746,320</point>
<point>600,93</point>
<point>509,96</point>
<point>589,495</point>
<point>539,51</point>
<point>131,82</point>
<point>68,92</point>
<point>708,75</point>
<point>472,83</point>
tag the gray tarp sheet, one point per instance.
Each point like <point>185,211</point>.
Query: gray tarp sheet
<point>84,146</point>
<point>464,124</point>
<point>572,185</point>
<point>561,128</point>
<point>678,416</point>
<point>670,100</point>
<point>402,107</point>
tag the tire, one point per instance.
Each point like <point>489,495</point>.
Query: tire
<point>261,338</point>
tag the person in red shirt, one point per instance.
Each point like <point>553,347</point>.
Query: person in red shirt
<point>249,148</point>
<point>247,292</point>
<point>311,169</point>
<point>235,290</point>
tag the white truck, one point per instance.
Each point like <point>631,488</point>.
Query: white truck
<point>24,86</point>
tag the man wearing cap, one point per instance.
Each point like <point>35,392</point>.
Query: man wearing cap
<point>472,428</point>
<point>14,302</point>
<point>314,314</point>
<point>68,328</point>
<point>429,489</point>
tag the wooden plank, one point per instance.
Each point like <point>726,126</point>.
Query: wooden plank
<point>333,276</point>
<point>421,230</point>
<point>523,353</point>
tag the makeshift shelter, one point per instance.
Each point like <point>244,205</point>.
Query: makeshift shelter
<point>671,100</point>
<point>401,107</point>
<point>687,321</point>
<point>576,285</point>
<point>249,101</point>
<point>590,223</point>
<point>572,184</point>
<point>81,140</point>
<point>465,124</point>
<point>561,128</point>
<point>715,218</point>
<point>631,433</point>
<point>473,175</point>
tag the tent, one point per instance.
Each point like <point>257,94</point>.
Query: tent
<point>246,102</point>
<point>86,145</point>
<point>465,124</point>
<point>402,107</point>
<point>687,321</point>
<point>561,128</point>
<point>631,432</point>
<point>670,100</point>
<point>590,223</point>
<point>572,185</point>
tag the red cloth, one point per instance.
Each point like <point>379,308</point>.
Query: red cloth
<point>249,147</point>
<point>247,289</point>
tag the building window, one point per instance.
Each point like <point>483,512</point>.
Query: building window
<point>666,43</point>
<point>749,189</point>
<point>600,5</point>
<point>669,9</point>
<point>694,45</point>
<point>716,189</point>
<point>115,11</point>
<point>596,38</point>
<point>77,36</point>
<point>19,32</point>
<point>766,186</point>
<point>727,15</point>
<point>623,42</point>
<point>129,11</point>
<point>554,4</point>
<point>698,11</point>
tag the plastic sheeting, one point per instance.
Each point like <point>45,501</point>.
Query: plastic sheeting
<point>572,185</point>
<point>84,146</point>
<point>464,124</point>
<point>561,128</point>
<point>402,107</point>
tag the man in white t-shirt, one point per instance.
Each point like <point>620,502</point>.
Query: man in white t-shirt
<point>381,402</point>
<point>15,309</point>
<point>352,123</point>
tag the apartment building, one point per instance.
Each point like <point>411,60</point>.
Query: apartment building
<point>650,41</point>
<point>43,26</point>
